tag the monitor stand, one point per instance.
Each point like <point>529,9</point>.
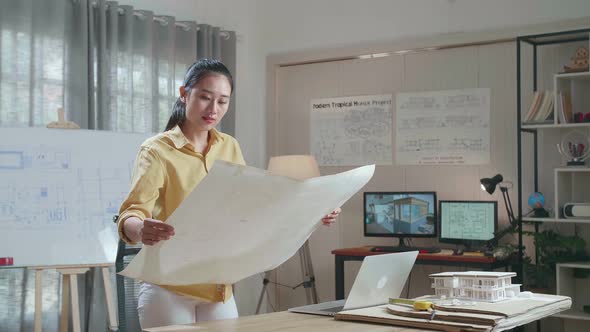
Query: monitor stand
<point>402,247</point>
<point>475,247</point>
<point>402,243</point>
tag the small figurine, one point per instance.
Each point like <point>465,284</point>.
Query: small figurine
<point>575,147</point>
<point>579,62</point>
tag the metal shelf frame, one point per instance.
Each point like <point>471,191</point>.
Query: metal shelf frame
<point>537,40</point>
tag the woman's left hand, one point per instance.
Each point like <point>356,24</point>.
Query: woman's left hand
<point>331,218</point>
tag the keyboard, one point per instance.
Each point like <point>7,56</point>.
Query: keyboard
<point>422,250</point>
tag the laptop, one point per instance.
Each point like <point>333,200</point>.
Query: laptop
<point>380,277</point>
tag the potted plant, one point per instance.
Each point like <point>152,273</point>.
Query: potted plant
<point>551,248</point>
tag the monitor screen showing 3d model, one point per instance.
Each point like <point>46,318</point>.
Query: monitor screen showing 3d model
<point>400,214</point>
<point>468,222</point>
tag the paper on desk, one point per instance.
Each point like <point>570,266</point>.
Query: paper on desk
<point>240,221</point>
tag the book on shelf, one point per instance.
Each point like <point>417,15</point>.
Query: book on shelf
<point>541,108</point>
<point>537,97</point>
<point>559,109</point>
<point>566,114</point>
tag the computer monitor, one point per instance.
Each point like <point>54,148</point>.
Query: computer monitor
<point>471,223</point>
<point>400,214</point>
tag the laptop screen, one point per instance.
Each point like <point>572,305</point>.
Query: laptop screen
<point>380,277</point>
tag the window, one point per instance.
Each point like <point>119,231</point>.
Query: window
<point>31,78</point>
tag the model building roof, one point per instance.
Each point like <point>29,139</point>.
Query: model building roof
<point>474,274</point>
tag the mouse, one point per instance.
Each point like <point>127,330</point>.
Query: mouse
<point>458,252</point>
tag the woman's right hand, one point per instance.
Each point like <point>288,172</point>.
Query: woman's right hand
<point>149,231</point>
<point>154,231</point>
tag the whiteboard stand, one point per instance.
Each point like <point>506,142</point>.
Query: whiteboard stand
<point>70,292</point>
<point>38,298</point>
<point>70,278</point>
<point>113,324</point>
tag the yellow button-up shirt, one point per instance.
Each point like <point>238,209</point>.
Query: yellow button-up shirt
<point>166,170</point>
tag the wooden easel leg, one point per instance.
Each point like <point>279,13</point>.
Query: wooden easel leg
<point>38,300</point>
<point>113,324</point>
<point>75,305</point>
<point>70,276</point>
<point>65,302</point>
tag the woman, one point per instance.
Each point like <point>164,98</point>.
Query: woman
<point>168,167</point>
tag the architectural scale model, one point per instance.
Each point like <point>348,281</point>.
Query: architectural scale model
<point>475,285</point>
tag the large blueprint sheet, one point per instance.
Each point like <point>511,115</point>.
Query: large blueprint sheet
<point>240,221</point>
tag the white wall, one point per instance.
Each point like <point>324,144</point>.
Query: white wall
<point>287,25</point>
<point>295,25</point>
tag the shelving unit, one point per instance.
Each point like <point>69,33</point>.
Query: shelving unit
<point>557,126</point>
<point>571,185</point>
<point>557,220</point>
<point>540,166</point>
<point>575,288</point>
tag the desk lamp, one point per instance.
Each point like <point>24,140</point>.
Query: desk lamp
<point>298,167</point>
<point>489,185</point>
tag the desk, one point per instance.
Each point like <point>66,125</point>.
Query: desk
<point>442,258</point>
<point>283,321</point>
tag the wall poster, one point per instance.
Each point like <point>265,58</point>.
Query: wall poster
<point>450,127</point>
<point>352,131</point>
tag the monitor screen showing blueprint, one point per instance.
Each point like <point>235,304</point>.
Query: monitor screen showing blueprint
<point>468,220</point>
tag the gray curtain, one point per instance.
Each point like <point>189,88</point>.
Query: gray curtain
<point>111,67</point>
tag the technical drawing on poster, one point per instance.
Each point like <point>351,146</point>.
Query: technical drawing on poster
<point>449,127</point>
<point>352,131</point>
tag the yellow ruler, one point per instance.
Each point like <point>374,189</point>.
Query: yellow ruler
<point>417,305</point>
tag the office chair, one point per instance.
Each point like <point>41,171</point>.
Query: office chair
<point>127,289</point>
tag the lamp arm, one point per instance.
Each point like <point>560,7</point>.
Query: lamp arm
<point>508,204</point>
<point>512,220</point>
<point>500,234</point>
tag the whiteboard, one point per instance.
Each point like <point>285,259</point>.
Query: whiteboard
<point>59,190</point>
<point>351,131</point>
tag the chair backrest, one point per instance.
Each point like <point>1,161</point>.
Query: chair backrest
<point>127,289</point>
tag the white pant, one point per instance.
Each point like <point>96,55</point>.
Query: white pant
<point>157,306</point>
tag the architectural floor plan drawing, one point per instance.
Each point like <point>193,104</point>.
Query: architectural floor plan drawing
<point>59,189</point>
<point>265,219</point>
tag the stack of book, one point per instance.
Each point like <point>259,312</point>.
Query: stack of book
<point>541,109</point>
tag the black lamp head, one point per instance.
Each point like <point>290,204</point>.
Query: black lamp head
<point>489,184</point>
